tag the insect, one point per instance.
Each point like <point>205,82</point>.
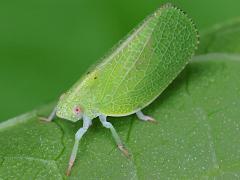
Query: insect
<point>132,75</point>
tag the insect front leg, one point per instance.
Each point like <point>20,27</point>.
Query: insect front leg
<point>50,117</point>
<point>117,139</point>
<point>143,117</point>
<point>86,123</point>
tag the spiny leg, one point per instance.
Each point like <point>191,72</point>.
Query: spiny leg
<point>86,123</point>
<point>50,117</point>
<point>117,139</point>
<point>143,117</point>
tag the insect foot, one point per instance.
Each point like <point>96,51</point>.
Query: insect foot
<point>151,120</point>
<point>44,119</point>
<point>143,117</point>
<point>50,117</point>
<point>123,150</point>
<point>70,165</point>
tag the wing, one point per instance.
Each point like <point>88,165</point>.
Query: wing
<point>143,65</point>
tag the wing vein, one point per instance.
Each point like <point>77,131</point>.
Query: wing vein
<point>125,76</point>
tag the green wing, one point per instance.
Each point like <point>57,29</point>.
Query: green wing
<point>141,66</point>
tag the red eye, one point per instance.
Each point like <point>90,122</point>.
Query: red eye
<point>77,110</point>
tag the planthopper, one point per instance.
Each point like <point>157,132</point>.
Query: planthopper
<point>132,75</point>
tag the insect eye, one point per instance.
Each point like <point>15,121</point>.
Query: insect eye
<point>77,110</point>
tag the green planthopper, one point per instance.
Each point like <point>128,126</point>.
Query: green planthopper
<point>132,75</point>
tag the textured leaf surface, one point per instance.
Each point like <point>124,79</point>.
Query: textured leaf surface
<point>197,135</point>
<point>224,37</point>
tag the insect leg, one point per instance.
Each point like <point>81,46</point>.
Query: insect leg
<point>117,139</point>
<point>143,117</point>
<point>50,117</point>
<point>86,123</point>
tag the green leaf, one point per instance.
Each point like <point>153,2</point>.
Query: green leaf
<point>197,135</point>
<point>224,37</point>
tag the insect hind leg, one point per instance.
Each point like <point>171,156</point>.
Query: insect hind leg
<point>117,139</point>
<point>143,117</point>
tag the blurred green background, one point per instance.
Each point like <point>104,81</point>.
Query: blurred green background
<point>45,46</point>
